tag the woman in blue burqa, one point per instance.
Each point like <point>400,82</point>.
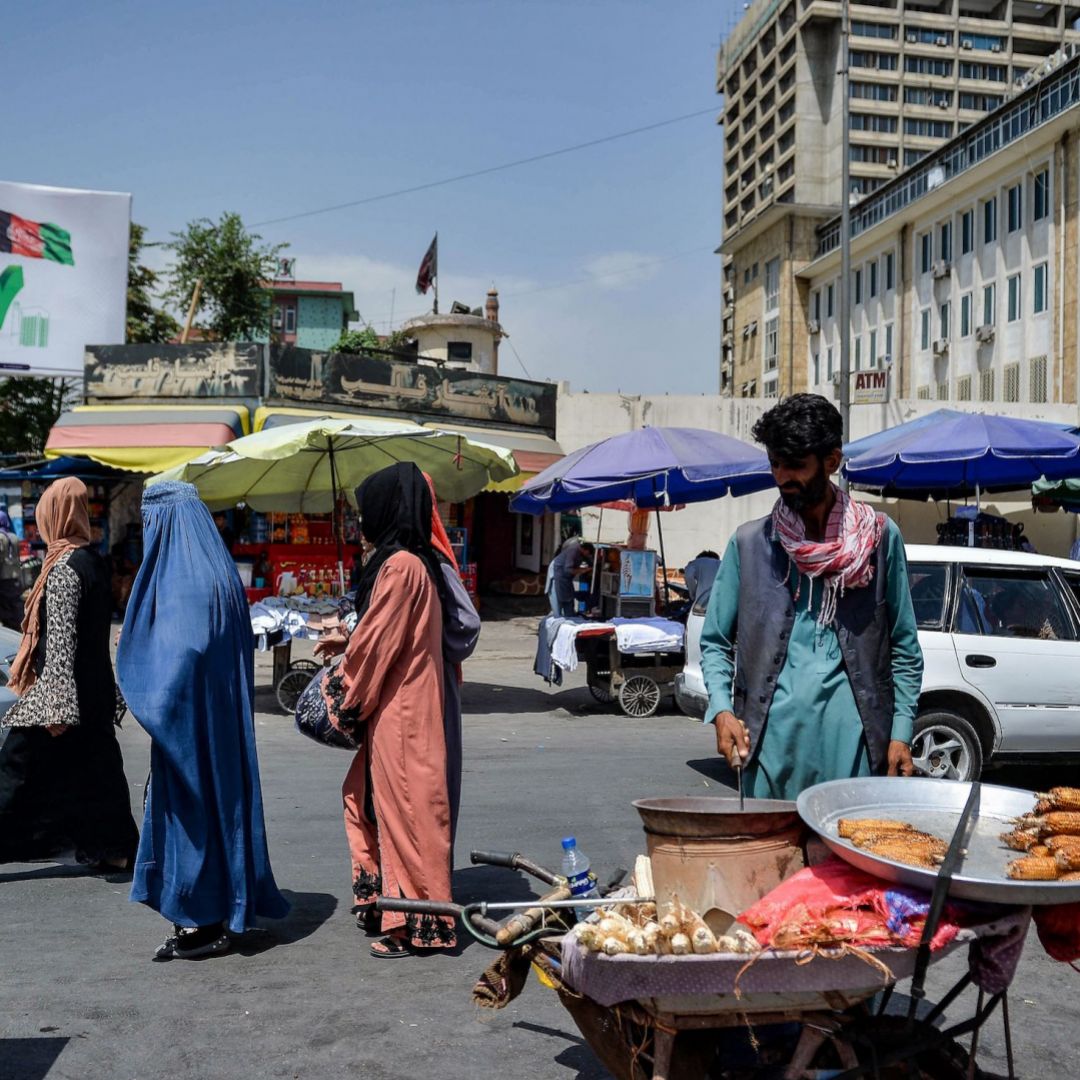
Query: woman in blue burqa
<point>185,664</point>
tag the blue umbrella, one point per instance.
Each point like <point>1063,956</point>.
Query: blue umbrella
<point>653,467</point>
<point>950,453</point>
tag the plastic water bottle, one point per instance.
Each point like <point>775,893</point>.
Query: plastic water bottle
<point>575,868</point>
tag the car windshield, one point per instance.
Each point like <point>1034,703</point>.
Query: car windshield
<point>929,583</point>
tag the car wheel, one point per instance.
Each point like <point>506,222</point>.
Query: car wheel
<point>946,747</point>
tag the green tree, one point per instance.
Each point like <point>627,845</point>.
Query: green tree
<point>145,323</point>
<point>232,265</point>
<point>357,341</point>
<point>29,408</point>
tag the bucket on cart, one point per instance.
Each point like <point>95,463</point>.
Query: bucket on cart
<point>717,859</point>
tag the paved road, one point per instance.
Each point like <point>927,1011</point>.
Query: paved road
<point>80,997</point>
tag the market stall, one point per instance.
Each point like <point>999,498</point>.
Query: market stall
<point>296,485</point>
<point>632,646</point>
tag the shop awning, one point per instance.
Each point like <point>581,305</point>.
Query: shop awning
<point>273,416</point>
<point>145,438</point>
<point>533,453</point>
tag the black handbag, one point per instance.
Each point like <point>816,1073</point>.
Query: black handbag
<point>313,716</point>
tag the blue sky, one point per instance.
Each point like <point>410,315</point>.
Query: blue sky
<point>272,109</point>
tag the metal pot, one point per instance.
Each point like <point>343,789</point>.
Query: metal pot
<point>717,859</point>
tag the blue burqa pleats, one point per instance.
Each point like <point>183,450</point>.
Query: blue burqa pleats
<point>186,669</point>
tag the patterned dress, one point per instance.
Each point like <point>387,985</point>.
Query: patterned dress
<point>68,790</point>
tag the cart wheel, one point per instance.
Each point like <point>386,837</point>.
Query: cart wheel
<point>310,666</point>
<point>293,683</point>
<point>600,694</point>
<point>639,696</point>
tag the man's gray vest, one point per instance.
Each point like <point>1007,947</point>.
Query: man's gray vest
<point>766,615</point>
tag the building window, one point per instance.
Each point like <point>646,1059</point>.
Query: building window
<point>928,129</point>
<point>277,321</point>
<point>986,385</point>
<point>872,283</point>
<point>887,358</point>
<point>944,317</point>
<point>924,329</point>
<point>829,297</point>
<point>829,363</point>
<point>967,232</point>
<point>772,339</point>
<point>926,65</point>
<point>1039,289</point>
<point>872,30</point>
<point>945,241</point>
<point>459,351</point>
<point>815,306</point>
<point>1037,380</point>
<point>885,125</point>
<point>871,358</point>
<point>872,91</point>
<point>923,393</point>
<point>857,287</point>
<point>963,388</point>
<point>1014,297</point>
<point>772,284</point>
<point>965,315</point>
<point>890,271</point>
<point>943,390</point>
<point>1041,194</point>
<point>817,369</point>
<point>1016,207</point>
<point>985,72</point>
<point>858,352</point>
<point>989,305</point>
<point>979,102</point>
<point>290,320</point>
<point>771,388</point>
<point>1010,391</point>
<point>990,221</point>
<point>926,253</point>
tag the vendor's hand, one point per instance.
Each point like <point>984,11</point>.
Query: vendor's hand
<point>56,729</point>
<point>900,763</point>
<point>732,738</point>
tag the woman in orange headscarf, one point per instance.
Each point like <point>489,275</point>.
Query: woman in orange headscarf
<point>62,780</point>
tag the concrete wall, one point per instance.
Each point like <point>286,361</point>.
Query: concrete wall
<point>585,418</point>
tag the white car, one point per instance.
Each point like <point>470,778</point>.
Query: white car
<point>1000,634</point>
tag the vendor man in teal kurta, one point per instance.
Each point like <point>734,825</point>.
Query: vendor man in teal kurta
<point>810,651</point>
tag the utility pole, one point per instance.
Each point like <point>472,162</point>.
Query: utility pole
<point>845,223</point>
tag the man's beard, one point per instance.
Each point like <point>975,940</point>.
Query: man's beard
<point>807,495</point>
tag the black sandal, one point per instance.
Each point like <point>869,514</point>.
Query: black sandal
<point>368,919</point>
<point>391,948</point>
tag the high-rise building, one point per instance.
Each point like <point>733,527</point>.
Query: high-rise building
<point>920,73</point>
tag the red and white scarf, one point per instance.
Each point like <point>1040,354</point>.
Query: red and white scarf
<point>843,559</point>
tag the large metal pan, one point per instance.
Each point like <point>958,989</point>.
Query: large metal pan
<point>935,806</point>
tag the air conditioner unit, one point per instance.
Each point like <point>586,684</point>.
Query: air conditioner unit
<point>912,38</point>
<point>892,163</point>
<point>940,269</point>
<point>941,41</point>
<point>746,331</point>
<point>995,48</point>
<point>984,334</point>
<point>943,103</point>
<point>813,326</point>
<point>967,43</point>
<point>941,346</point>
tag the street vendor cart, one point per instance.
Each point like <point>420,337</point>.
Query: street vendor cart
<point>818,999</point>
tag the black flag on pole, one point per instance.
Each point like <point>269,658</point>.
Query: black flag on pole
<point>429,267</point>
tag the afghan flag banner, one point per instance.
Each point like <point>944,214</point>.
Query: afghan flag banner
<point>34,240</point>
<point>429,268</point>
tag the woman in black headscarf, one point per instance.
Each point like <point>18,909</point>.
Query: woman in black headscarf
<point>388,694</point>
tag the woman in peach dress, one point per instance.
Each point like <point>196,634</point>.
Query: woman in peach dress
<point>388,694</point>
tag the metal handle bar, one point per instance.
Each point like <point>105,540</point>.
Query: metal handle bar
<point>516,861</point>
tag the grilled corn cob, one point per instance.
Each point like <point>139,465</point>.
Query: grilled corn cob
<point>1034,868</point>
<point>1067,860</point>
<point>900,850</point>
<point>1020,839</point>
<point>1071,875</point>
<point>847,827</point>
<point>1061,798</point>
<point>1069,844</point>
<point>1055,823</point>
<point>1039,851</point>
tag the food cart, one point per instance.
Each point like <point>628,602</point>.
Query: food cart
<point>822,1007</point>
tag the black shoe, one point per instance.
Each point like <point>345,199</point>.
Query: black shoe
<point>194,942</point>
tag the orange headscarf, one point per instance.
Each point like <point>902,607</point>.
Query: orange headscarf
<point>439,539</point>
<point>63,520</point>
